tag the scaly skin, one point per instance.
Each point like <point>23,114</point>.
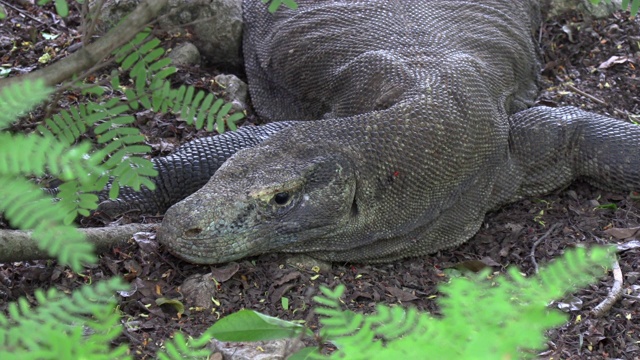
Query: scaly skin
<point>420,126</point>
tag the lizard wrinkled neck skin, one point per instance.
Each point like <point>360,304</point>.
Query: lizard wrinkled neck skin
<point>405,122</point>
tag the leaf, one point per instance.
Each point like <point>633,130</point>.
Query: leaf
<point>608,206</point>
<point>20,97</point>
<point>62,8</point>
<point>401,295</point>
<point>274,5</point>
<point>635,6</point>
<point>291,4</point>
<point>623,233</point>
<point>176,304</point>
<point>225,272</point>
<point>307,353</point>
<point>248,325</point>
<point>130,60</point>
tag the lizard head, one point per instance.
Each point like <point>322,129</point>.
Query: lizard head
<point>262,199</point>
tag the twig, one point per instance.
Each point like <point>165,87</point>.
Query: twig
<point>576,90</point>
<point>22,12</point>
<point>95,52</point>
<point>532,255</point>
<point>90,16</point>
<point>614,294</point>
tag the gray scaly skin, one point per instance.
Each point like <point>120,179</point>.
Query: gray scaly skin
<point>185,171</point>
<point>422,124</point>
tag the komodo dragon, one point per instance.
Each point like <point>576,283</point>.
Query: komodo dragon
<point>422,124</point>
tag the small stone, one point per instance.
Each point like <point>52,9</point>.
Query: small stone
<point>258,350</point>
<point>185,54</point>
<point>235,91</point>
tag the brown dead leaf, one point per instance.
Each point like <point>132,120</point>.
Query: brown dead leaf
<point>288,277</point>
<point>401,295</point>
<point>225,273</point>
<point>623,233</point>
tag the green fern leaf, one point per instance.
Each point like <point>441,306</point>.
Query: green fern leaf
<point>57,326</point>
<point>211,116</point>
<point>161,69</point>
<point>20,97</point>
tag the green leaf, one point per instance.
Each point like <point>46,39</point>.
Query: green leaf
<point>194,107</point>
<point>161,64</point>
<point>176,304</point>
<point>95,90</point>
<point>274,5</point>
<point>155,54</point>
<point>149,45</point>
<point>19,98</point>
<point>62,8</point>
<point>625,4</point>
<point>307,353</point>
<point>611,206</point>
<point>248,325</point>
<point>233,119</point>
<point>115,190</point>
<point>635,6</point>
<point>130,60</point>
<point>212,113</point>
<point>291,4</point>
<point>206,104</point>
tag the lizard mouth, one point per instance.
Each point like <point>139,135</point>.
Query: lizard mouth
<point>200,243</point>
<point>199,250</point>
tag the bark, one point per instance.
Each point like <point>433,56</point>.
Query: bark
<point>18,245</point>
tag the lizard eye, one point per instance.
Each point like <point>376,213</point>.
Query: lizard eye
<point>282,198</point>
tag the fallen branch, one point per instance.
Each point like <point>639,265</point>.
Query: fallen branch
<point>614,294</point>
<point>93,53</point>
<point>18,245</point>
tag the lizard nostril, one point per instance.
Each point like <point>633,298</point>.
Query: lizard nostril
<point>192,232</point>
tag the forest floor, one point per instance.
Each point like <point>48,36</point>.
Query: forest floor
<point>579,70</point>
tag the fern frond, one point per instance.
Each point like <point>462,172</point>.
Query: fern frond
<point>481,319</point>
<point>70,124</point>
<point>38,154</point>
<point>182,348</point>
<point>19,98</point>
<point>78,327</point>
<point>26,207</point>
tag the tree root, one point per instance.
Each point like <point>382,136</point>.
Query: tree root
<point>18,245</point>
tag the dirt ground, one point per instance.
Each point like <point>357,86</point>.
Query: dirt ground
<point>573,52</point>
